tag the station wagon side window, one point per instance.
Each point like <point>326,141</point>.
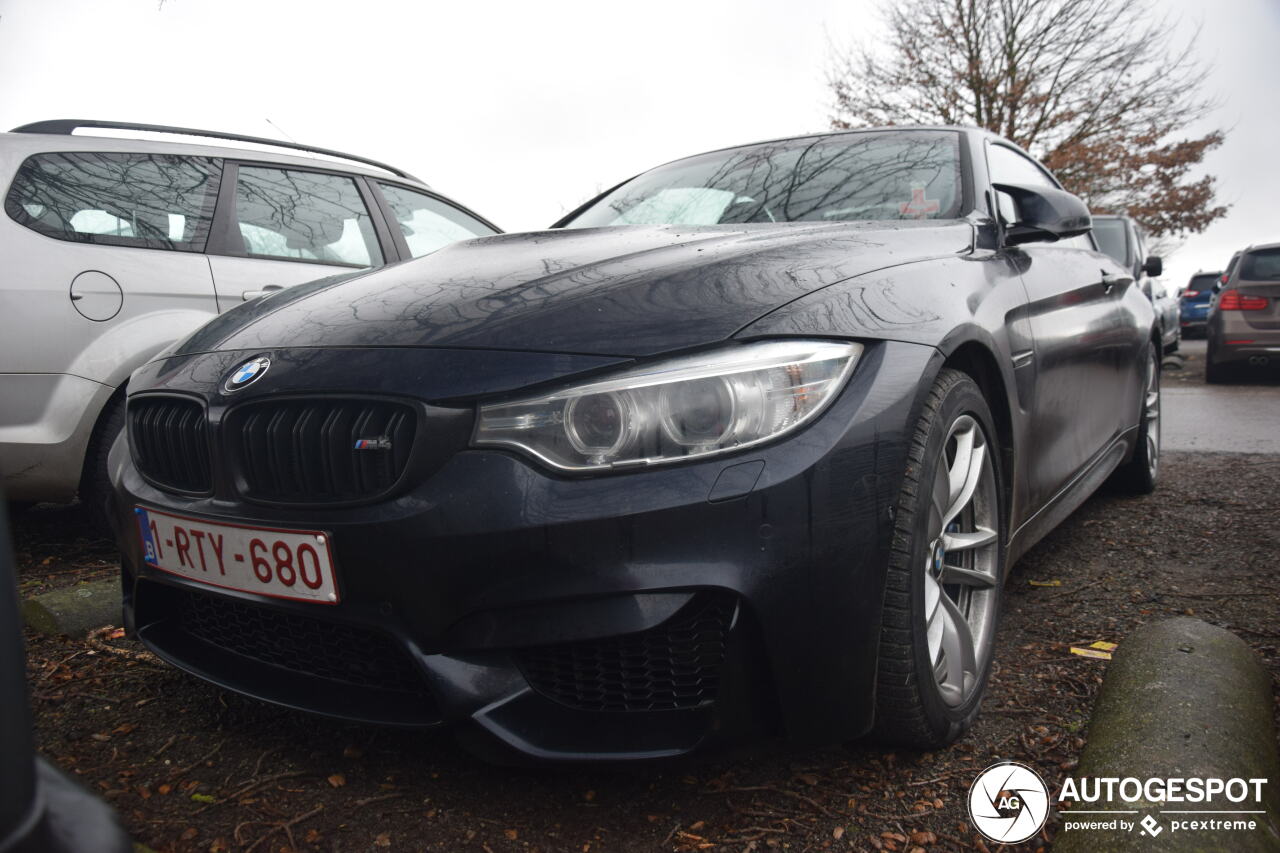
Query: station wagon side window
<point>428,223</point>
<point>293,214</point>
<point>150,201</point>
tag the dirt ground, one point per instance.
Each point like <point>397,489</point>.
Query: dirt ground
<point>193,768</point>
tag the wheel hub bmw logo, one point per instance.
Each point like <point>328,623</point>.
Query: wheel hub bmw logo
<point>247,374</point>
<point>938,558</point>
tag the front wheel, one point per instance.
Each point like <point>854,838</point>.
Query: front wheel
<point>945,571</point>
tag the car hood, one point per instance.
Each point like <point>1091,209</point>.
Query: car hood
<point>623,291</point>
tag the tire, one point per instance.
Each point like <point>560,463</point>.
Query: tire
<point>1139,475</point>
<point>95,485</point>
<point>1214,374</point>
<point>928,687</point>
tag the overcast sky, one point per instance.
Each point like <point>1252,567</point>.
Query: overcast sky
<point>523,110</point>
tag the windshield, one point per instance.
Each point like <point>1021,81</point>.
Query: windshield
<point>853,176</point>
<point>1111,238</point>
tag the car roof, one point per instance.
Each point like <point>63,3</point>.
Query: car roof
<point>27,143</point>
<point>1259,246</point>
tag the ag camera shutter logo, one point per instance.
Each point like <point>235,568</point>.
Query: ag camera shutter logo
<point>1008,802</point>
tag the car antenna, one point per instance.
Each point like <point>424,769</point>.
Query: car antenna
<point>281,129</point>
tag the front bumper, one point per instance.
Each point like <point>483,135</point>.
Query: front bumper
<point>636,615</point>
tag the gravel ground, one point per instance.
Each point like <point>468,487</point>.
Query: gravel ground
<point>193,768</point>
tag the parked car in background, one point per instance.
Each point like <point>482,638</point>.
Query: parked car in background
<point>113,248</point>
<point>747,443</point>
<point>1194,301</point>
<point>1244,320</point>
<point>1121,238</point>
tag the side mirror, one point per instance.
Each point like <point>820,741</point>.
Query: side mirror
<point>1217,286</point>
<point>1154,266</point>
<point>1045,214</point>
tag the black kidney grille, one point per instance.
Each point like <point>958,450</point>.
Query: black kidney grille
<point>170,442</point>
<point>321,451</point>
<point>328,650</point>
<point>673,666</point>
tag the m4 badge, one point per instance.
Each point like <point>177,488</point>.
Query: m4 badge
<point>379,443</point>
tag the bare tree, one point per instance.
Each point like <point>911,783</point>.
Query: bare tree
<point>1096,89</point>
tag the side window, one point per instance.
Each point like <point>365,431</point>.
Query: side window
<point>428,223</point>
<point>304,216</point>
<point>150,201</point>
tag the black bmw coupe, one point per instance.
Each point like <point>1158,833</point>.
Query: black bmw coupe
<point>747,444</point>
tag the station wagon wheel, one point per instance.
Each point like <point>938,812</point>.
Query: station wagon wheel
<point>945,572</point>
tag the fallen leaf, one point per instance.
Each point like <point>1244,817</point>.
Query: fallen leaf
<point>809,779</point>
<point>165,788</point>
<point>589,796</point>
<point>337,780</point>
<point>382,839</point>
<point>313,836</point>
<point>837,833</point>
<point>204,798</point>
<point>189,833</point>
<point>511,834</point>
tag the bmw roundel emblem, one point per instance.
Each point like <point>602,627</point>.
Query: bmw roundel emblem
<point>247,374</point>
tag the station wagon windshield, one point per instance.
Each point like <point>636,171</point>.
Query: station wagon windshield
<point>893,175</point>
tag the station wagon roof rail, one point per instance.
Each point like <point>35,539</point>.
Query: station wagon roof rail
<point>67,126</point>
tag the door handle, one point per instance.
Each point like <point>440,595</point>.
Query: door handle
<point>250,295</point>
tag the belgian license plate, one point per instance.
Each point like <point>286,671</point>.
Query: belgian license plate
<point>293,564</point>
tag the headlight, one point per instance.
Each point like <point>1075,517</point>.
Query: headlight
<point>670,410</point>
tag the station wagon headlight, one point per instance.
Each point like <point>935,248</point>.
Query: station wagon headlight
<point>670,410</point>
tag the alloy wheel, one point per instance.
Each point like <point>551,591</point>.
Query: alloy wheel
<point>961,561</point>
